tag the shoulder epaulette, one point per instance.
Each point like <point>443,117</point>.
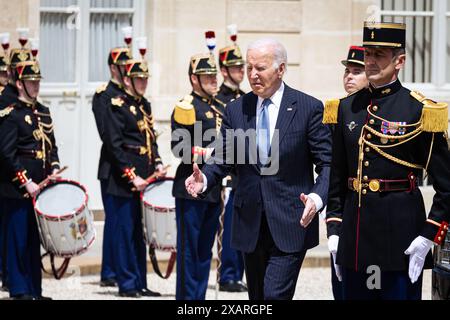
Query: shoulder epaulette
<point>434,114</point>
<point>117,102</point>
<point>330,113</point>
<point>5,112</point>
<point>101,89</point>
<point>184,112</point>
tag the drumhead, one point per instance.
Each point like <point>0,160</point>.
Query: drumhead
<point>61,199</point>
<point>159,194</point>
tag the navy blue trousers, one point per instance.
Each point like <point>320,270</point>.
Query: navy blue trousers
<point>271,274</point>
<point>129,255</point>
<point>394,285</point>
<point>23,255</point>
<point>232,260</point>
<point>197,223</point>
<point>107,271</point>
<point>1,236</point>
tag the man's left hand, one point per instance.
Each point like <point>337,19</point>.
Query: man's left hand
<point>310,210</point>
<point>417,252</point>
<point>161,172</point>
<point>54,176</point>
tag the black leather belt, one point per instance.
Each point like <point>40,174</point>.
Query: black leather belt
<point>140,150</point>
<point>33,154</point>
<point>384,185</point>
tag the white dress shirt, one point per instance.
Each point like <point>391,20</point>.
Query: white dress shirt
<point>274,109</point>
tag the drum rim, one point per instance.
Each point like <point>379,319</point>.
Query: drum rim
<point>65,216</point>
<point>65,254</point>
<point>148,205</point>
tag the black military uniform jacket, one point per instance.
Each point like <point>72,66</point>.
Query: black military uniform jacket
<point>100,102</point>
<point>386,133</point>
<point>8,96</point>
<point>27,147</point>
<point>191,114</point>
<point>130,143</point>
<point>227,95</point>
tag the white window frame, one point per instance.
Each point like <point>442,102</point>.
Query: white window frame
<point>438,88</point>
<point>82,83</point>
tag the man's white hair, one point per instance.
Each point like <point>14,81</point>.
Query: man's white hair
<point>279,51</point>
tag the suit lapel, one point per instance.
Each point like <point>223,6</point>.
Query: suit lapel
<point>287,111</point>
<point>249,109</point>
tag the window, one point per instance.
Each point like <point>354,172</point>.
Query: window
<point>428,39</point>
<point>76,36</point>
<point>418,16</point>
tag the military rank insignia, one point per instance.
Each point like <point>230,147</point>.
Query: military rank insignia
<point>209,115</point>
<point>28,120</point>
<point>118,102</point>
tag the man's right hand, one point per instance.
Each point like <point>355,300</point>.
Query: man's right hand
<point>140,184</point>
<point>333,242</point>
<point>195,184</point>
<point>32,189</point>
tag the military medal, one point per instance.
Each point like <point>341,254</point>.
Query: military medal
<point>352,126</point>
<point>209,115</point>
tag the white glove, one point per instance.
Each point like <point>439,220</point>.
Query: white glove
<point>227,196</point>
<point>333,242</point>
<point>417,252</point>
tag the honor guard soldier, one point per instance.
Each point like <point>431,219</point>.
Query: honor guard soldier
<point>132,151</point>
<point>3,82</point>
<point>8,96</point>
<point>231,65</point>
<point>10,93</point>
<point>29,155</point>
<point>116,60</point>
<point>197,220</point>
<point>354,79</point>
<point>385,135</point>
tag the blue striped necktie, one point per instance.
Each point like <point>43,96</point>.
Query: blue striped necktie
<point>263,133</point>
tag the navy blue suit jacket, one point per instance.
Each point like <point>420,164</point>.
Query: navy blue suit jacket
<point>303,142</point>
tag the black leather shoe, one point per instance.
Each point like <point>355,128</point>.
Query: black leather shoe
<point>149,293</point>
<point>22,297</point>
<point>130,294</point>
<point>241,286</point>
<point>4,288</point>
<point>229,286</point>
<point>108,283</point>
<point>42,298</point>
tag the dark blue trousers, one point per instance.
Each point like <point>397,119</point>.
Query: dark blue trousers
<point>271,274</point>
<point>23,255</point>
<point>107,271</point>
<point>1,237</point>
<point>128,247</point>
<point>336,284</point>
<point>197,223</point>
<point>232,261</point>
<point>394,285</point>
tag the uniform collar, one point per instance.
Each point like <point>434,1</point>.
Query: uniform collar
<point>205,100</point>
<point>230,91</point>
<point>386,90</point>
<point>116,84</point>
<point>27,104</point>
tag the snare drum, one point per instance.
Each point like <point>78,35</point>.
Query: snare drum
<point>158,208</point>
<point>66,226</point>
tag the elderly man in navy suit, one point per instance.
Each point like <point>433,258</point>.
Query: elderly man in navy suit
<point>276,201</point>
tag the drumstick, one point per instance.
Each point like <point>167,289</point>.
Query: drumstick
<point>153,176</point>
<point>46,181</point>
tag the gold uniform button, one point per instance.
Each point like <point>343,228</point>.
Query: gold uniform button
<point>374,185</point>
<point>367,149</point>
<point>442,233</point>
<point>439,239</point>
<point>372,122</point>
<point>369,136</point>
<point>366,178</point>
<point>375,108</point>
<point>366,164</point>
<point>364,191</point>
